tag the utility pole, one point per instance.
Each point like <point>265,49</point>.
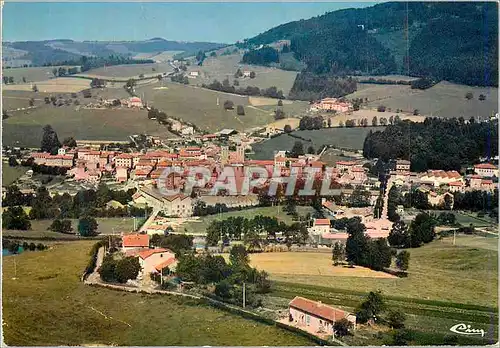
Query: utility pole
<point>454,234</point>
<point>243,294</point>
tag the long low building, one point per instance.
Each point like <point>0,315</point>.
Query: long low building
<point>176,205</point>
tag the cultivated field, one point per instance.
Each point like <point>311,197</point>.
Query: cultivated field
<point>36,74</point>
<point>46,304</point>
<point>126,71</point>
<point>339,137</point>
<point>13,100</point>
<point>444,99</point>
<point>57,85</point>
<point>308,264</point>
<point>199,106</point>
<point>200,226</point>
<point>292,122</point>
<point>222,67</point>
<point>465,273</point>
<point>25,128</point>
<point>369,114</point>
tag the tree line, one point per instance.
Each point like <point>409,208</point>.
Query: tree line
<point>436,143</point>
<point>250,231</point>
<point>225,86</point>
<point>263,56</point>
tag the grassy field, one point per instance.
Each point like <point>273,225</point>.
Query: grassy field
<point>163,56</point>
<point>341,137</point>
<point>12,100</point>
<point>44,303</point>
<point>24,128</point>
<point>332,156</point>
<point>200,226</point>
<point>128,70</point>
<point>11,174</point>
<point>222,67</point>
<point>199,106</point>
<point>106,226</point>
<point>467,218</point>
<point>308,263</point>
<point>465,273</point>
<point>57,85</point>
<point>444,99</point>
<point>36,74</point>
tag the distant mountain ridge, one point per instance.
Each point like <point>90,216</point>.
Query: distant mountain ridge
<point>60,50</point>
<point>447,41</point>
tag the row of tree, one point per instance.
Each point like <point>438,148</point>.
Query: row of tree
<point>420,231</point>
<point>308,86</point>
<point>225,86</point>
<point>251,231</point>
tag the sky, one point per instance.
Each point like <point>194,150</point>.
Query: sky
<point>213,22</point>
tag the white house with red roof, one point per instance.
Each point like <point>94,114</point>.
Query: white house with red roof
<point>315,317</point>
<point>486,169</point>
<point>437,178</point>
<point>134,102</point>
<point>319,227</point>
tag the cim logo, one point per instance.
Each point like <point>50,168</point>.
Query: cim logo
<point>463,329</point>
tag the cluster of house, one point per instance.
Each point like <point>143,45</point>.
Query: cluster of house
<point>151,260</point>
<point>132,102</point>
<point>332,104</point>
<point>439,184</point>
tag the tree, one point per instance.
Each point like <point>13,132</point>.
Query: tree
<point>50,142</point>
<point>228,105</point>
<point>279,114</point>
<point>416,112</point>
<point>47,100</point>
<point>297,149</point>
<point>240,110</point>
<point>469,95</point>
<point>396,319</point>
<point>371,307</point>
<point>236,82</point>
<point>482,97</point>
<point>54,72</point>
<point>69,142</point>
<point>24,79</point>
<point>13,161</point>
<point>127,268</point>
<point>399,235</point>
<point>31,102</point>
<point>61,226</point>
<point>130,83</point>
<point>403,260</point>
<point>35,88</point>
<point>374,121</point>
<point>223,289</point>
<point>238,73</point>
<point>280,102</point>
<point>381,108</point>
<point>287,128</point>
<point>252,74</point>
<point>310,150</point>
<point>238,257</point>
<point>338,253</point>
<point>342,327</point>
<point>15,218</point>
<point>87,227</point>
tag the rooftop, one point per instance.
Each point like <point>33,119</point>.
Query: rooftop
<point>317,309</point>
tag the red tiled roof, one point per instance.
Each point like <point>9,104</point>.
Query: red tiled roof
<point>456,183</point>
<point>321,222</point>
<point>135,240</point>
<point>475,176</point>
<point>485,166</point>
<point>125,155</point>
<point>317,309</point>
<point>346,163</point>
<point>147,253</point>
<point>166,263</point>
<point>487,182</point>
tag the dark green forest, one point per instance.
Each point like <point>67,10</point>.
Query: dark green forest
<point>457,42</point>
<point>436,143</point>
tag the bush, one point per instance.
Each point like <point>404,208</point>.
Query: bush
<point>396,319</point>
<point>381,108</point>
<point>240,110</point>
<point>342,327</point>
<point>228,105</point>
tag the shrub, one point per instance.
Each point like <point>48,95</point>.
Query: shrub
<point>228,105</point>
<point>240,110</point>
<point>396,319</point>
<point>342,327</point>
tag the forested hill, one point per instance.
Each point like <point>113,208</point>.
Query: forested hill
<point>447,41</point>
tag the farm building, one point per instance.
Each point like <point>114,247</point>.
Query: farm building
<point>316,317</point>
<point>332,104</point>
<point>134,241</point>
<point>134,102</point>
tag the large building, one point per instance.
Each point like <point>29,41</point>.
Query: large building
<point>174,205</point>
<point>486,170</point>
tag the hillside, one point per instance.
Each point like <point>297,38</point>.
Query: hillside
<point>447,41</point>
